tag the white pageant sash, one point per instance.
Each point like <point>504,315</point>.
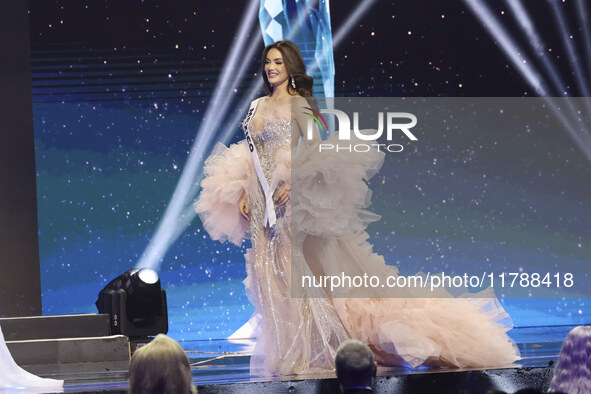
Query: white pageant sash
<point>270,217</point>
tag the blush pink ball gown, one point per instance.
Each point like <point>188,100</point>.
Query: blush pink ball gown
<point>301,335</point>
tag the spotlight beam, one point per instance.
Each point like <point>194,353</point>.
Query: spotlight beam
<point>217,108</point>
<point>580,77</point>
<point>509,47</point>
<point>229,128</point>
<point>361,9</point>
<point>578,131</point>
<point>512,50</point>
<point>583,14</point>
<point>526,24</point>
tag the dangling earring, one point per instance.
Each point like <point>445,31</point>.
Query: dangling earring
<point>293,82</point>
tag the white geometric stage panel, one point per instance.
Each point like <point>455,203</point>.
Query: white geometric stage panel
<point>273,7</point>
<point>307,24</point>
<point>275,30</point>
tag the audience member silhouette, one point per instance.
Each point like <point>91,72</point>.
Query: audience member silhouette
<point>355,367</point>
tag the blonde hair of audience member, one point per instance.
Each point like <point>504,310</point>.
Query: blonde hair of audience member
<point>160,367</point>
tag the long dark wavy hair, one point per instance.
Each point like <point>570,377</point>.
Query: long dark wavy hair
<point>296,68</point>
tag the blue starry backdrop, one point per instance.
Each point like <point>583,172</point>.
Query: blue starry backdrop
<point>119,92</point>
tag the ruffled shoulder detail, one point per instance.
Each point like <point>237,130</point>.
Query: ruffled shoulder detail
<point>329,189</point>
<point>227,174</point>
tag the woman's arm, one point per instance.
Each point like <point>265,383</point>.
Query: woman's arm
<point>228,173</point>
<point>300,115</point>
<point>243,206</point>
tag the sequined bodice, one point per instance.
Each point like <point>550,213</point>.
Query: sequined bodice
<point>275,134</point>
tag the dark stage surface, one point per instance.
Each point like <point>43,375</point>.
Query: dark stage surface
<point>220,366</point>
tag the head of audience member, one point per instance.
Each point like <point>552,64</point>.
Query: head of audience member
<point>355,366</point>
<point>160,367</point>
<point>573,369</point>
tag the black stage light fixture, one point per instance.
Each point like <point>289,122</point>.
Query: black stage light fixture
<point>136,304</point>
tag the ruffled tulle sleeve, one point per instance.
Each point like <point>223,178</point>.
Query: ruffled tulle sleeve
<point>330,191</point>
<point>227,175</point>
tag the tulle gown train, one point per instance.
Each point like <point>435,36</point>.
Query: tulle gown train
<point>301,335</point>
<point>13,377</point>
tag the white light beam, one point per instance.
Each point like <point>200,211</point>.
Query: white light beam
<point>523,65</point>
<point>163,236</point>
<point>580,77</point>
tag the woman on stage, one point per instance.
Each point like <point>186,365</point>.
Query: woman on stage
<point>248,191</point>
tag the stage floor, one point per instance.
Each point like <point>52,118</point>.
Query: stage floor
<point>223,366</point>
